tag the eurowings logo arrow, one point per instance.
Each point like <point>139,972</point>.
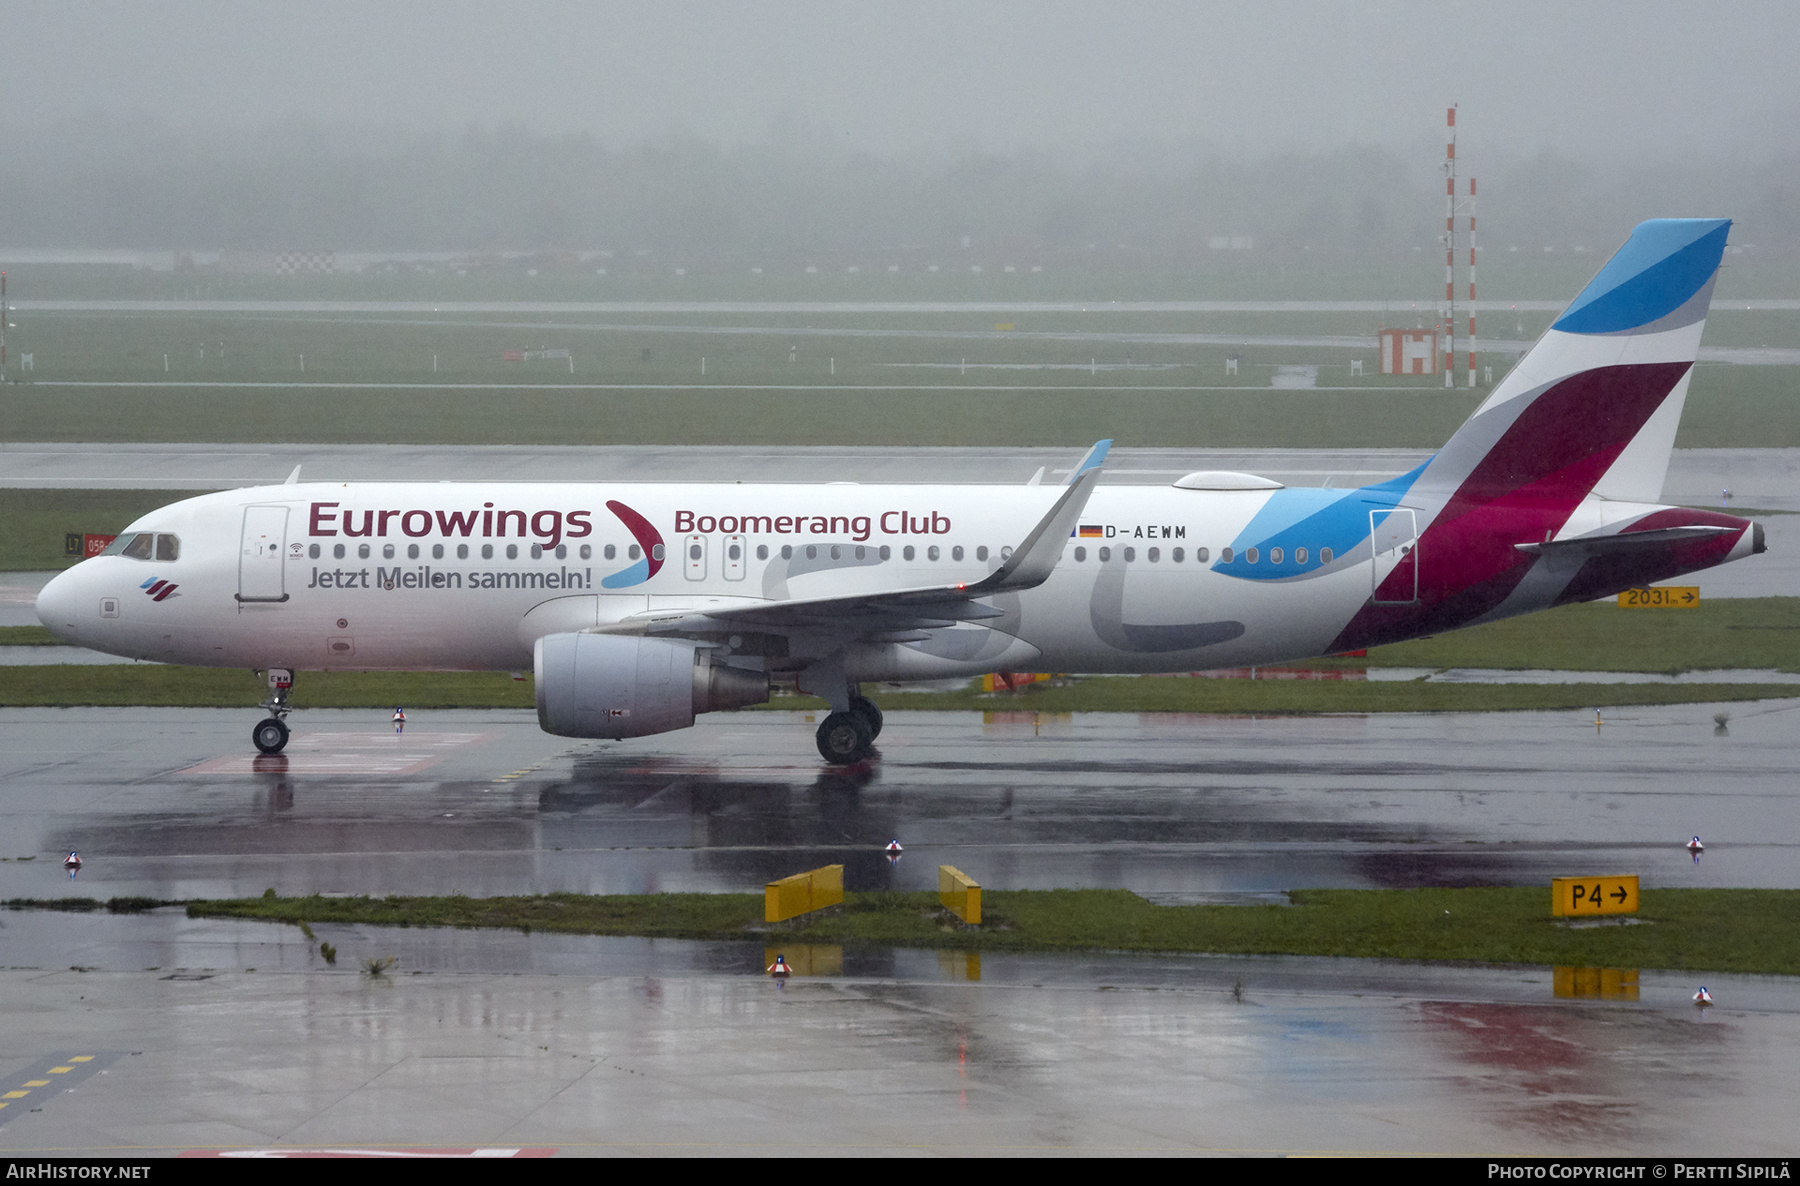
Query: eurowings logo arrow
<point>157,590</point>
<point>650,542</point>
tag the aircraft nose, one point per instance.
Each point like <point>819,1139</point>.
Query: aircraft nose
<point>56,604</point>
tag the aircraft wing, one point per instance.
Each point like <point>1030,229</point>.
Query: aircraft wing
<point>901,613</point>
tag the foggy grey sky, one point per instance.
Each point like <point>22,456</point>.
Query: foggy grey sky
<point>1586,79</point>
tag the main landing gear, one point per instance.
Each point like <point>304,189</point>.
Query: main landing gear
<point>270,736</point>
<point>848,737</point>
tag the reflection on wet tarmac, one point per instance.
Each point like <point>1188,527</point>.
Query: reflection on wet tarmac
<point>168,803</point>
<point>248,1038</point>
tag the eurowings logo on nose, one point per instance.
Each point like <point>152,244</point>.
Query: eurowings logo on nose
<point>650,542</point>
<point>157,590</point>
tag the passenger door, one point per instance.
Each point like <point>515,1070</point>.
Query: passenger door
<point>262,560</point>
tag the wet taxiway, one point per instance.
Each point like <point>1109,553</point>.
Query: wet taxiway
<point>172,803</point>
<point>237,1034</point>
<point>659,1047</point>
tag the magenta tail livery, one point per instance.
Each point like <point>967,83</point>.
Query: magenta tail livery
<point>640,606</point>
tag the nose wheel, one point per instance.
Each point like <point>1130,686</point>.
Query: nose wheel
<point>270,735</point>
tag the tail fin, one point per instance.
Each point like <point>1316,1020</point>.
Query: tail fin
<point>1593,408</point>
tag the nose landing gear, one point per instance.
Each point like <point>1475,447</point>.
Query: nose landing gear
<point>270,736</point>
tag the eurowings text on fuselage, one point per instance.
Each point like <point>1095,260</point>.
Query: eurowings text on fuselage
<point>640,605</point>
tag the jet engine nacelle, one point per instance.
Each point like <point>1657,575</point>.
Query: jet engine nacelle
<point>609,685</point>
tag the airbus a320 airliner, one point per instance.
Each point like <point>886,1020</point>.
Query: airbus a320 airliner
<point>640,606</point>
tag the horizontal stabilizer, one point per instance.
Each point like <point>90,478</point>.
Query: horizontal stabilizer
<point>1599,545</point>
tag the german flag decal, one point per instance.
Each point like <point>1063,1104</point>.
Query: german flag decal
<point>1090,531</point>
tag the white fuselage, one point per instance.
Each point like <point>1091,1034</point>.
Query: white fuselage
<point>468,575</point>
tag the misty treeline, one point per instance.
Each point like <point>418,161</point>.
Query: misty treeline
<point>134,183</point>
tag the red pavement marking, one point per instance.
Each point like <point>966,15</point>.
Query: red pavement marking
<point>344,753</point>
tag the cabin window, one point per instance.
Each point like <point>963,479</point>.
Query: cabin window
<point>1105,555</point>
<point>956,553</point>
<point>1153,555</point>
<point>1299,555</point>
<point>787,551</point>
<point>886,552</point>
<point>861,551</point>
<point>1175,555</point>
<point>693,551</point>
<point>1250,556</point>
<point>462,551</point>
<point>1224,555</point>
<point>412,551</point>
<point>313,551</point>
<point>1274,555</point>
<point>487,551</point>
<point>512,551</point>
<point>837,553</point>
<point>931,553</point>
<point>762,551</point>
<point>633,552</point>
<point>812,551</point>
<point>387,551</point>
<point>1324,555</point>
<point>1080,554</point>
<point>362,551</point>
<point>1130,555</point>
<point>656,551</point>
<point>437,551</point>
<point>337,551</point>
<point>587,551</point>
<point>140,546</point>
<point>734,553</point>
<point>1006,553</point>
<point>1201,555</point>
<point>562,551</point>
<point>537,551</point>
<point>908,552</point>
<point>609,551</point>
<point>981,552</point>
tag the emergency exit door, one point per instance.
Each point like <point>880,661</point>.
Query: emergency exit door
<point>262,560</point>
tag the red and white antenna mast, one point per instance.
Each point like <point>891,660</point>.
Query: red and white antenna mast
<point>1471,209</point>
<point>1450,249</point>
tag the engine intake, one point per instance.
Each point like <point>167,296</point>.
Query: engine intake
<point>610,685</point>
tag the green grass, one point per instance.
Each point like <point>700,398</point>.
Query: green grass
<point>34,522</point>
<point>155,685</point>
<point>28,636</point>
<point>1721,930</point>
<point>666,401</point>
<point>56,685</point>
<point>1737,632</point>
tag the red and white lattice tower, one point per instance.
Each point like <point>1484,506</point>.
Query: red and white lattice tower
<point>1471,209</point>
<point>1450,250</point>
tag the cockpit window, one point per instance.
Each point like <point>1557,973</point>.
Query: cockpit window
<point>145,545</point>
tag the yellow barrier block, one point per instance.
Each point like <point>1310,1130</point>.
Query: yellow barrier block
<point>960,894</point>
<point>960,965</point>
<point>803,893</point>
<point>1661,597</point>
<point>1608,984</point>
<point>1579,897</point>
<point>809,959</point>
